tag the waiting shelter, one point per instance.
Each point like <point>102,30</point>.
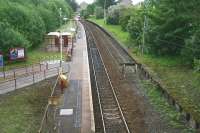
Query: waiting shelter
<point>53,40</point>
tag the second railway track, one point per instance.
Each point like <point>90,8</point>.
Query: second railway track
<point>111,115</point>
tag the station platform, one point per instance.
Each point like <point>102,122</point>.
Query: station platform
<point>76,110</point>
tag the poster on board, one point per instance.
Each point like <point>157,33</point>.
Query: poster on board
<point>1,60</point>
<point>17,53</point>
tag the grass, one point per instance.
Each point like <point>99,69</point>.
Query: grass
<point>33,57</point>
<point>169,114</point>
<point>21,111</point>
<point>180,81</point>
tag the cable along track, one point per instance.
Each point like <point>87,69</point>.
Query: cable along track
<point>112,117</point>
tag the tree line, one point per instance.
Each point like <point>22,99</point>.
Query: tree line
<point>159,27</point>
<point>23,23</point>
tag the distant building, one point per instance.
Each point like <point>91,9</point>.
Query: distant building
<point>125,2</point>
<point>83,5</point>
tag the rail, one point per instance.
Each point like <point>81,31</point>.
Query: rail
<point>145,73</point>
<point>113,91</point>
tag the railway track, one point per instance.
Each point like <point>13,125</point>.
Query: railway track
<point>110,112</point>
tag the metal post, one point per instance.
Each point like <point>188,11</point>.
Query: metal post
<point>40,67</point>
<point>32,68</point>
<point>44,74</point>
<point>26,69</point>
<point>105,11</point>
<point>47,65</point>
<point>15,83</point>
<point>33,77</point>
<point>4,75</point>
<point>14,74</point>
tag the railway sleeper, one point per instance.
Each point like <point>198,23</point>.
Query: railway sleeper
<point>112,114</point>
<point>111,106</point>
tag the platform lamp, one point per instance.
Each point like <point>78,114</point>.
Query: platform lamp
<point>65,19</point>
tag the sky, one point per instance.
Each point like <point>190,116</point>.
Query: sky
<point>90,1</point>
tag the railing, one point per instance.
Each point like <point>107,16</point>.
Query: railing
<point>31,77</point>
<point>48,123</point>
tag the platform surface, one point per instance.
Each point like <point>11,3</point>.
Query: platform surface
<point>77,98</point>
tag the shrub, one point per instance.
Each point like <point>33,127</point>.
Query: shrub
<point>113,14</point>
<point>99,13</point>
<point>11,38</point>
<point>84,14</point>
<point>125,16</point>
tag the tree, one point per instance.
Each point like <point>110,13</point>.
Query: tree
<point>99,12</point>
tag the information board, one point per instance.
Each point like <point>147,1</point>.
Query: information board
<point>1,60</point>
<point>17,53</point>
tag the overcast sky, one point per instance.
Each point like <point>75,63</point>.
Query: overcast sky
<point>90,1</point>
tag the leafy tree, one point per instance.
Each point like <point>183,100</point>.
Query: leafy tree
<point>135,25</point>
<point>113,14</point>
<point>11,38</point>
<point>91,8</point>
<point>125,16</point>
<point>84,13</point>
<point>99,12</point>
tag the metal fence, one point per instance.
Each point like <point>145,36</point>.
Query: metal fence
<point>30,77</point>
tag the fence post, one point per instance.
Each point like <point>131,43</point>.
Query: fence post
<point>44,74</point>
<point>58,70</point>
<point>4,75</point>
<point>26,69</point>
<point>40,67</point>
<point>15,83</point>
<point>47,65</point>
<point>14,74</point>
<point>33,77</point>
<point>32,68</point>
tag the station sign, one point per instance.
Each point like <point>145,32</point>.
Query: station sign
<point>17,53</point>
<point>1,60</point>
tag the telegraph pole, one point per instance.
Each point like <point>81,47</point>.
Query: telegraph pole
<point>145,25</point>
<point>105,11</point>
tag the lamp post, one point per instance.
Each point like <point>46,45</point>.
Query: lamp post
<point>60,37</point>
<point>65,19</point>
<point>60,11</point>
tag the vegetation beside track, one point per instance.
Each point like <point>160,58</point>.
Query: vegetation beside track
<point>182,82</point>
<point>21,110</point>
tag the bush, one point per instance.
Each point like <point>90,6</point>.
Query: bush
<point>84,14</point>
<point>124,18</point>
<point>135,25</point>
<point>191,50</point>
<point>11,38</point>
<point>29,20</point>
<point>99,13</point>
<point>113,14</point>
